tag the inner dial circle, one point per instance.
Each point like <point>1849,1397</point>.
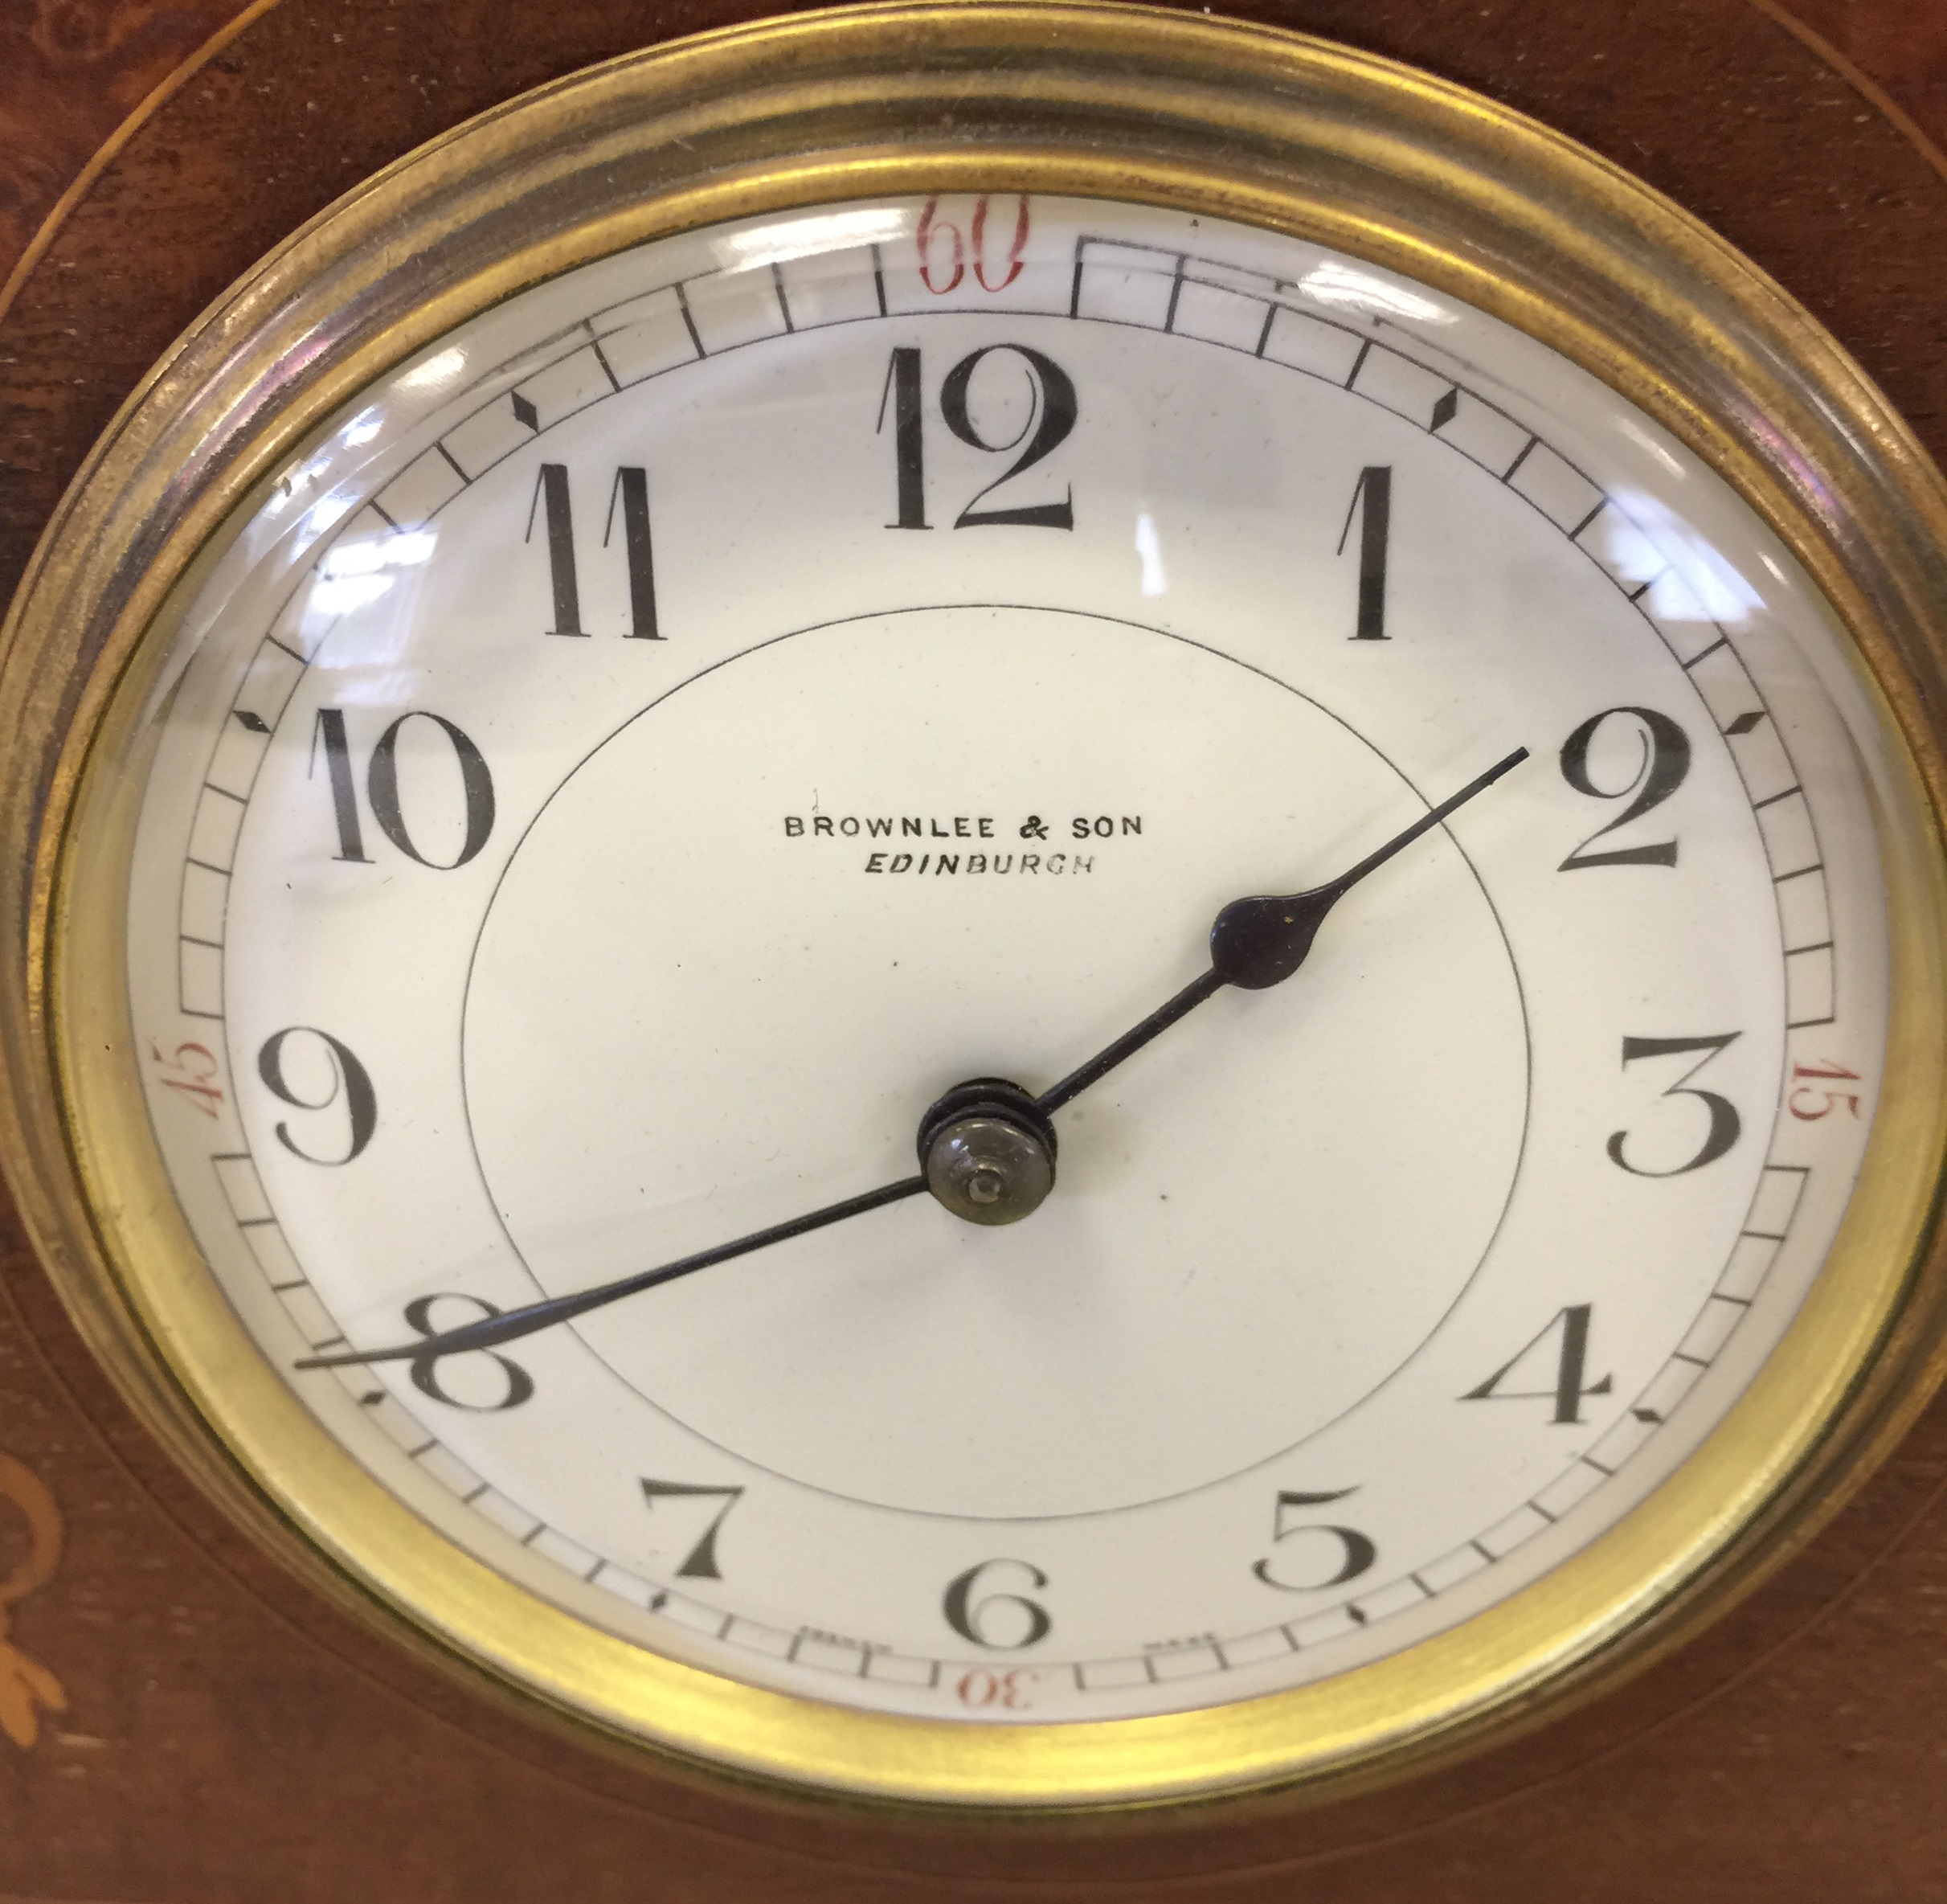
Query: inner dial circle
<point>750,1014</point>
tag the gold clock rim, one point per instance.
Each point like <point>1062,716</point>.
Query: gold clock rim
<point>1581,256</point>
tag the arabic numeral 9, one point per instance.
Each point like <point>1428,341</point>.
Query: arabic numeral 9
<point>313,1071</point>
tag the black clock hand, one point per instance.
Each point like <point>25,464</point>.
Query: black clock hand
<point>491,1331</point>
<point>1259,942</point>
<point>1254,942</point>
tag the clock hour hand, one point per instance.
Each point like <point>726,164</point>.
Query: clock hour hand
<point>986,1148</point>
<point>1259,942</point>
<point>493,1332</point>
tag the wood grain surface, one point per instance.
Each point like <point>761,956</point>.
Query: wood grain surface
<point>71,72</point>
<point>181,1723</point>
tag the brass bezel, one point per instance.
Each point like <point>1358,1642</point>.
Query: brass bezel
<point>1231,120</point>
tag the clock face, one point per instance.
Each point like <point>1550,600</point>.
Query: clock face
<point>651,747</point>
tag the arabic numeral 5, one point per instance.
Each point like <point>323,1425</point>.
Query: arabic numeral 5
<point>1324,1555</point>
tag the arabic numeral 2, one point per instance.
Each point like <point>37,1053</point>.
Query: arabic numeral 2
<point>1662,762</point>
<point>1050,409</point>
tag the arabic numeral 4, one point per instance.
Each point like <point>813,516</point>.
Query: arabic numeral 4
<point>1556,1358</point>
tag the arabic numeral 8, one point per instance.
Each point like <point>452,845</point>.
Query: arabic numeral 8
<point>508,1386</point>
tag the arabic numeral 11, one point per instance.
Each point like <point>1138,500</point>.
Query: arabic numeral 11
<point>628,496</point>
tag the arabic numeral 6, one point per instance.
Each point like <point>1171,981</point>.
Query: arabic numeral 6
<point>992,1616</point>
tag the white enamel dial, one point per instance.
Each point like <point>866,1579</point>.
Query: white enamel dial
<point>659,740</point>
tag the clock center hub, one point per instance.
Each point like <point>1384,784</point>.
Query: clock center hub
<point>988,1153</point>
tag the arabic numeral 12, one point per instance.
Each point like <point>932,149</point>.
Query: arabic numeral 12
<point>1052,410</point>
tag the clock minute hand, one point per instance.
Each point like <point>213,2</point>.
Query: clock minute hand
<point>493,1332</point>
<point>1261,941</point>
<point>1254,942</point>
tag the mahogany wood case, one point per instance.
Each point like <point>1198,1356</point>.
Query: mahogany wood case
<point>181,1722</point>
